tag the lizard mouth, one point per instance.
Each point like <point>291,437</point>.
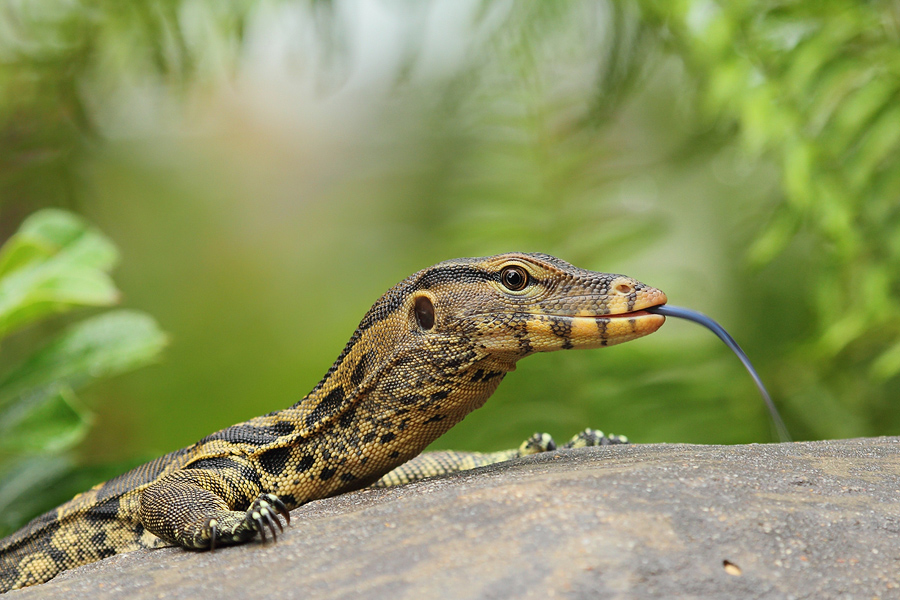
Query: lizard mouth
<point>597,331</point>
<point>628,315</point>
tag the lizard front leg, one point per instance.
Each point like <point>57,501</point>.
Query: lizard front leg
<point>200,509</point>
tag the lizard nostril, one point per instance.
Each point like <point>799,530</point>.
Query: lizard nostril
<point>624,289</point>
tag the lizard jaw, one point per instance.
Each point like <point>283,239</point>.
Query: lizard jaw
<point>609,330</point>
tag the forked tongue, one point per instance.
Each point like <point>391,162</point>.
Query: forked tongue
<point>668,310</point>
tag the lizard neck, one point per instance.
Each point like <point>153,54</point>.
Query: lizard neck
<point>386,381</point>
<point>392,374</point>
<point>376,409</point>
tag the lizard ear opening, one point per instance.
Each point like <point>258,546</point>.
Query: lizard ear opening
<point>424,312</point>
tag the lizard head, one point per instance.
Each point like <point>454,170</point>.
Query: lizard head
<point>512,305</point>
<point>442,339</point>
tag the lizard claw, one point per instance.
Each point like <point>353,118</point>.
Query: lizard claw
<point>280,508</point>
<point>212,525</point>
<point>263,513</point>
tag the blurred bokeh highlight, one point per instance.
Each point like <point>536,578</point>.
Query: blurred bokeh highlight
<point>267,169</point>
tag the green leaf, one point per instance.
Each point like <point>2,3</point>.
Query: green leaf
<point>102,346</point>
<point>53,263</point>
<point>887,365</point>
<point>773,240</point>
<point>51,423</point>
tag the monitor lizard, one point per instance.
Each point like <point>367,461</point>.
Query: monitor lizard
<point>428,352</point>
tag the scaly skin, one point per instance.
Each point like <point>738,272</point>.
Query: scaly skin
<point>431,350</point>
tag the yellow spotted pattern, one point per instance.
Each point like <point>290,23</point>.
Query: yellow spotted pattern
<point>427,353</point>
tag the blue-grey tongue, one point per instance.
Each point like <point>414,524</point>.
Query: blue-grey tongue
<point>691,315</point>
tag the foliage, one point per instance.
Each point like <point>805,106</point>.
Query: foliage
<point>271,167</point>
<point>816,87</point>
<point>53,264</point>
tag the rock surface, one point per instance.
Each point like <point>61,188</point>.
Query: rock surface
<point>801,520</point>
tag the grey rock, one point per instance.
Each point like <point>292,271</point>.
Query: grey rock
<point>801,520</point>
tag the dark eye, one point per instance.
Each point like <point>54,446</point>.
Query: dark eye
<point>514,278</point>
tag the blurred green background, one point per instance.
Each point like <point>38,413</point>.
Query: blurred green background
<point>267,169</point>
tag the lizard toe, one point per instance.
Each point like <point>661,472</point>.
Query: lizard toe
<point>279,507</point>
<point>263,514</point>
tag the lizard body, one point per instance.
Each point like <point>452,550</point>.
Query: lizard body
<point>427,353</point>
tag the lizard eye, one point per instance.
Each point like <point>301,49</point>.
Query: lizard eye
<point>514,278</point>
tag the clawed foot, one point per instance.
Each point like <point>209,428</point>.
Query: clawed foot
<point>594,437</point>
<point>539,442</point>
<point>262,514</point>
<point>543,442</point>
